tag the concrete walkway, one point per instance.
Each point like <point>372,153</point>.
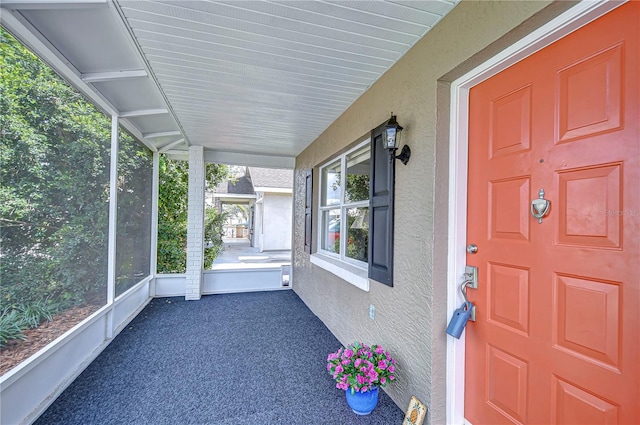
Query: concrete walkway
<point>238,252</point>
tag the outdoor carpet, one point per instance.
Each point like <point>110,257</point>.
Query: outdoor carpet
<point>248,358</point>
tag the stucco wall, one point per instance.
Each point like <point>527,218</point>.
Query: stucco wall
<point>410,317</point>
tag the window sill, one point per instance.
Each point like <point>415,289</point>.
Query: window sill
<point>354,275</point>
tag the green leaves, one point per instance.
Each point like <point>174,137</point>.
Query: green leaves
<point>34,314</point>
<point>54,193</point>
<point>214,222</point>
<point>11,326</point>
<point>14,319</point>
<point>54,176</point>
<point>172,215</point>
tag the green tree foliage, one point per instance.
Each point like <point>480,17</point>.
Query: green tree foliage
<point>54,197</point>
<point>357,187</point>
<point>213,231</point>
<point>172,215</point>
<point>54,185</point>
<point>133,230</point>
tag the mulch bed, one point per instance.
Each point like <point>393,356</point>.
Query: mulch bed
<point>17,350</point>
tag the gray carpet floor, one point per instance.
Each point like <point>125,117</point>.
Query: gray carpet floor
<point>251,358</point>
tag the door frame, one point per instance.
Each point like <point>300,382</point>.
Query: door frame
<point>574,18</point>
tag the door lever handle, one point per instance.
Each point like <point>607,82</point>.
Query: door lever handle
<point>471,276</point>
<point>470,281</point>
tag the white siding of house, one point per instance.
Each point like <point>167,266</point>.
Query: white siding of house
<point>276,224</point>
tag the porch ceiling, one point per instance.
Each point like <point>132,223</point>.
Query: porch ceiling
<point>254,82</point>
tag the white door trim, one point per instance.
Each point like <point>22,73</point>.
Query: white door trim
<point>576,17</point>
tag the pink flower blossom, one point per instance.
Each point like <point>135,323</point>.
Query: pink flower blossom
<point>359,367</point>
<point>342,385</point>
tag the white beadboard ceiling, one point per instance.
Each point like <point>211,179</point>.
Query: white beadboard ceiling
<point>254,82</point>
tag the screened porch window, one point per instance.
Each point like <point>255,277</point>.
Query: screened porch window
<point>54,206</point>
<point>344,206</point>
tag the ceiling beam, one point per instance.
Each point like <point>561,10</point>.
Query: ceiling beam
<point>248,159</point>
<point>95,77</point>
<point>135,132</point>
<point>36,42</point>
<point>52,4</point>
<point>143,112</point>
<point>161,134</point>
<point>169,146</point>
<point>126,28</point>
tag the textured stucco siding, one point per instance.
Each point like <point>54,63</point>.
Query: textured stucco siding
<point>410,317</point>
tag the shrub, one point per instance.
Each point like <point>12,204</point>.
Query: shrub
<point>11,326</point>
<point>14,319</point>
<point>34,314</point>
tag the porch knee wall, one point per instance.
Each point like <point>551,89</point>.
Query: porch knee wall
<point>195,224</point>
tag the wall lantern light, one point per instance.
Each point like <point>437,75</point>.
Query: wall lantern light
<point>391,139</point>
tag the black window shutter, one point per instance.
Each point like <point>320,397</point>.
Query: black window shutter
<point>381,211</point>
<point>308,203</point>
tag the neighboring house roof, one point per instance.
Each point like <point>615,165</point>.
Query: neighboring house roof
<point>271,179</point>
<point>255,180</point>
<point>241,186</point>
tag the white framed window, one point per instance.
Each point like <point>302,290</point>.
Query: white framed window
<point>344,206</point>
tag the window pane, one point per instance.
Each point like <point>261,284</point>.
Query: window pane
<point>133,234</point>
<point>331,230</point>
<point>358,175</point>
<point>331,184</point>
<point>54,202</point>
<point>358,233</point>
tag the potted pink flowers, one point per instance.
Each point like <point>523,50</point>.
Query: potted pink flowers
<point>360,370</point>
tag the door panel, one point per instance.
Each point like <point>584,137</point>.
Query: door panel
<point>558,325</point>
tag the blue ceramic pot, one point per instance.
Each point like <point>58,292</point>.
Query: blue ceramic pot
<point>362,403</point>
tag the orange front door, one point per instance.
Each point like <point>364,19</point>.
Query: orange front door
<point>558,305</point>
